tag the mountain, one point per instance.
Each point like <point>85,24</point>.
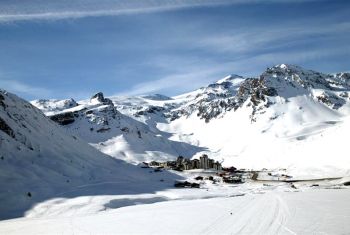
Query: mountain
<point>53,105</point>
<point>39,159</point>
<point>129,136</point>
<point>281,81</point>
<point>287,117</point>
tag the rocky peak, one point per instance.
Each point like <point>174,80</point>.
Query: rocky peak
<point>99,98</point>
<point>286,70</point>
<point>283,80</point>
<point>229,78</point>
<point>343,78</point>
<point>296,76</point>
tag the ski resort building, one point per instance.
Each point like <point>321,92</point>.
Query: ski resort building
<point>181,163</point>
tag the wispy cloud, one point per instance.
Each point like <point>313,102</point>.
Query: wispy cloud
<point>259,38</point>
<point>176,54</point>
<point>173,84</point>
<point>18,10</point>
<point>24,89</point>
<point>194,76</point>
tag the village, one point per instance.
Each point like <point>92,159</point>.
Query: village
<point>211,170</point>
<point>183,164</point>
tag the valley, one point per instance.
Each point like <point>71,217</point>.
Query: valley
<point>239,156</point>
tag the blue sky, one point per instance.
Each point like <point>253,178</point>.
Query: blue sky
<point>63,49</point>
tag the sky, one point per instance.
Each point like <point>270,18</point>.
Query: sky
<point>75,48</point>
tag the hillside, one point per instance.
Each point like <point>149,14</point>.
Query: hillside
<point>40,160</point>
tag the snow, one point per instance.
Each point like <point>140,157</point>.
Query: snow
<point>304,141</point>
<point>40,160</point>
<point>292,130</point>
<point>288,121</point>
<point>251,208</point>
<point>53,106</point>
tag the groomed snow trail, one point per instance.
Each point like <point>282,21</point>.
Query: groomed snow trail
<point>263,214</point>
<point>318,211</point>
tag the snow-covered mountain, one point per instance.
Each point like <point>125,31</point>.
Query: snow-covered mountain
<point>40,160</point>
<point>132,136</point>
<point>288,117</point>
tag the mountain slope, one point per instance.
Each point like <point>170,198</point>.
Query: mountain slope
<point>128,136</point>
<point>40,160</point>
<point>287,117</point>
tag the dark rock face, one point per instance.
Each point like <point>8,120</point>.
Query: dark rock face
<point>100,97</point>
<point>150,109</point>
<point>215,108</point>
<point>344,76</point>
<point>254,89</point>
<point>125,129</point>
<point>3,125</point>
<point>331,100</point>
<point>103,130</point>
<point>63,118</point>
<point>2,104</point>
<point>257,89</point>
<point>6,128</point>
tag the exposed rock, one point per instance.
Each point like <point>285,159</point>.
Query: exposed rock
<point>125,129</point>
<point>101,130</point>
<point>281,80</point>
<point>150,109</point>
<point>343,78</point>
<point>2,104</point>
<point>156,97</point>
<point>63,118</point>
<point>100,98</point>
<point>6,128</point>
<point>331,100</point>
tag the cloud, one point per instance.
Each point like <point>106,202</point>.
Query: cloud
<point>18,10</point>
<point>195,76</point>
<point>173,84</point>
<point>24,89</point>
<point>273,38</point>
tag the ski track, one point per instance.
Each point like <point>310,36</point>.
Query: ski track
<point>274,212</point>
<point>263,214</point>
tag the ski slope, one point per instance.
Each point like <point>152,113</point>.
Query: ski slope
<point>262,210</point>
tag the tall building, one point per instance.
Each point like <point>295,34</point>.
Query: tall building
<point>217,166</point>
<point>187,165</point>
<point>204,162</point>
<point>211,164</point>
<point>179,160</point>
<point>195,164</point>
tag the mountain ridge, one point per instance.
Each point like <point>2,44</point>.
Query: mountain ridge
<point>286,104</point>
